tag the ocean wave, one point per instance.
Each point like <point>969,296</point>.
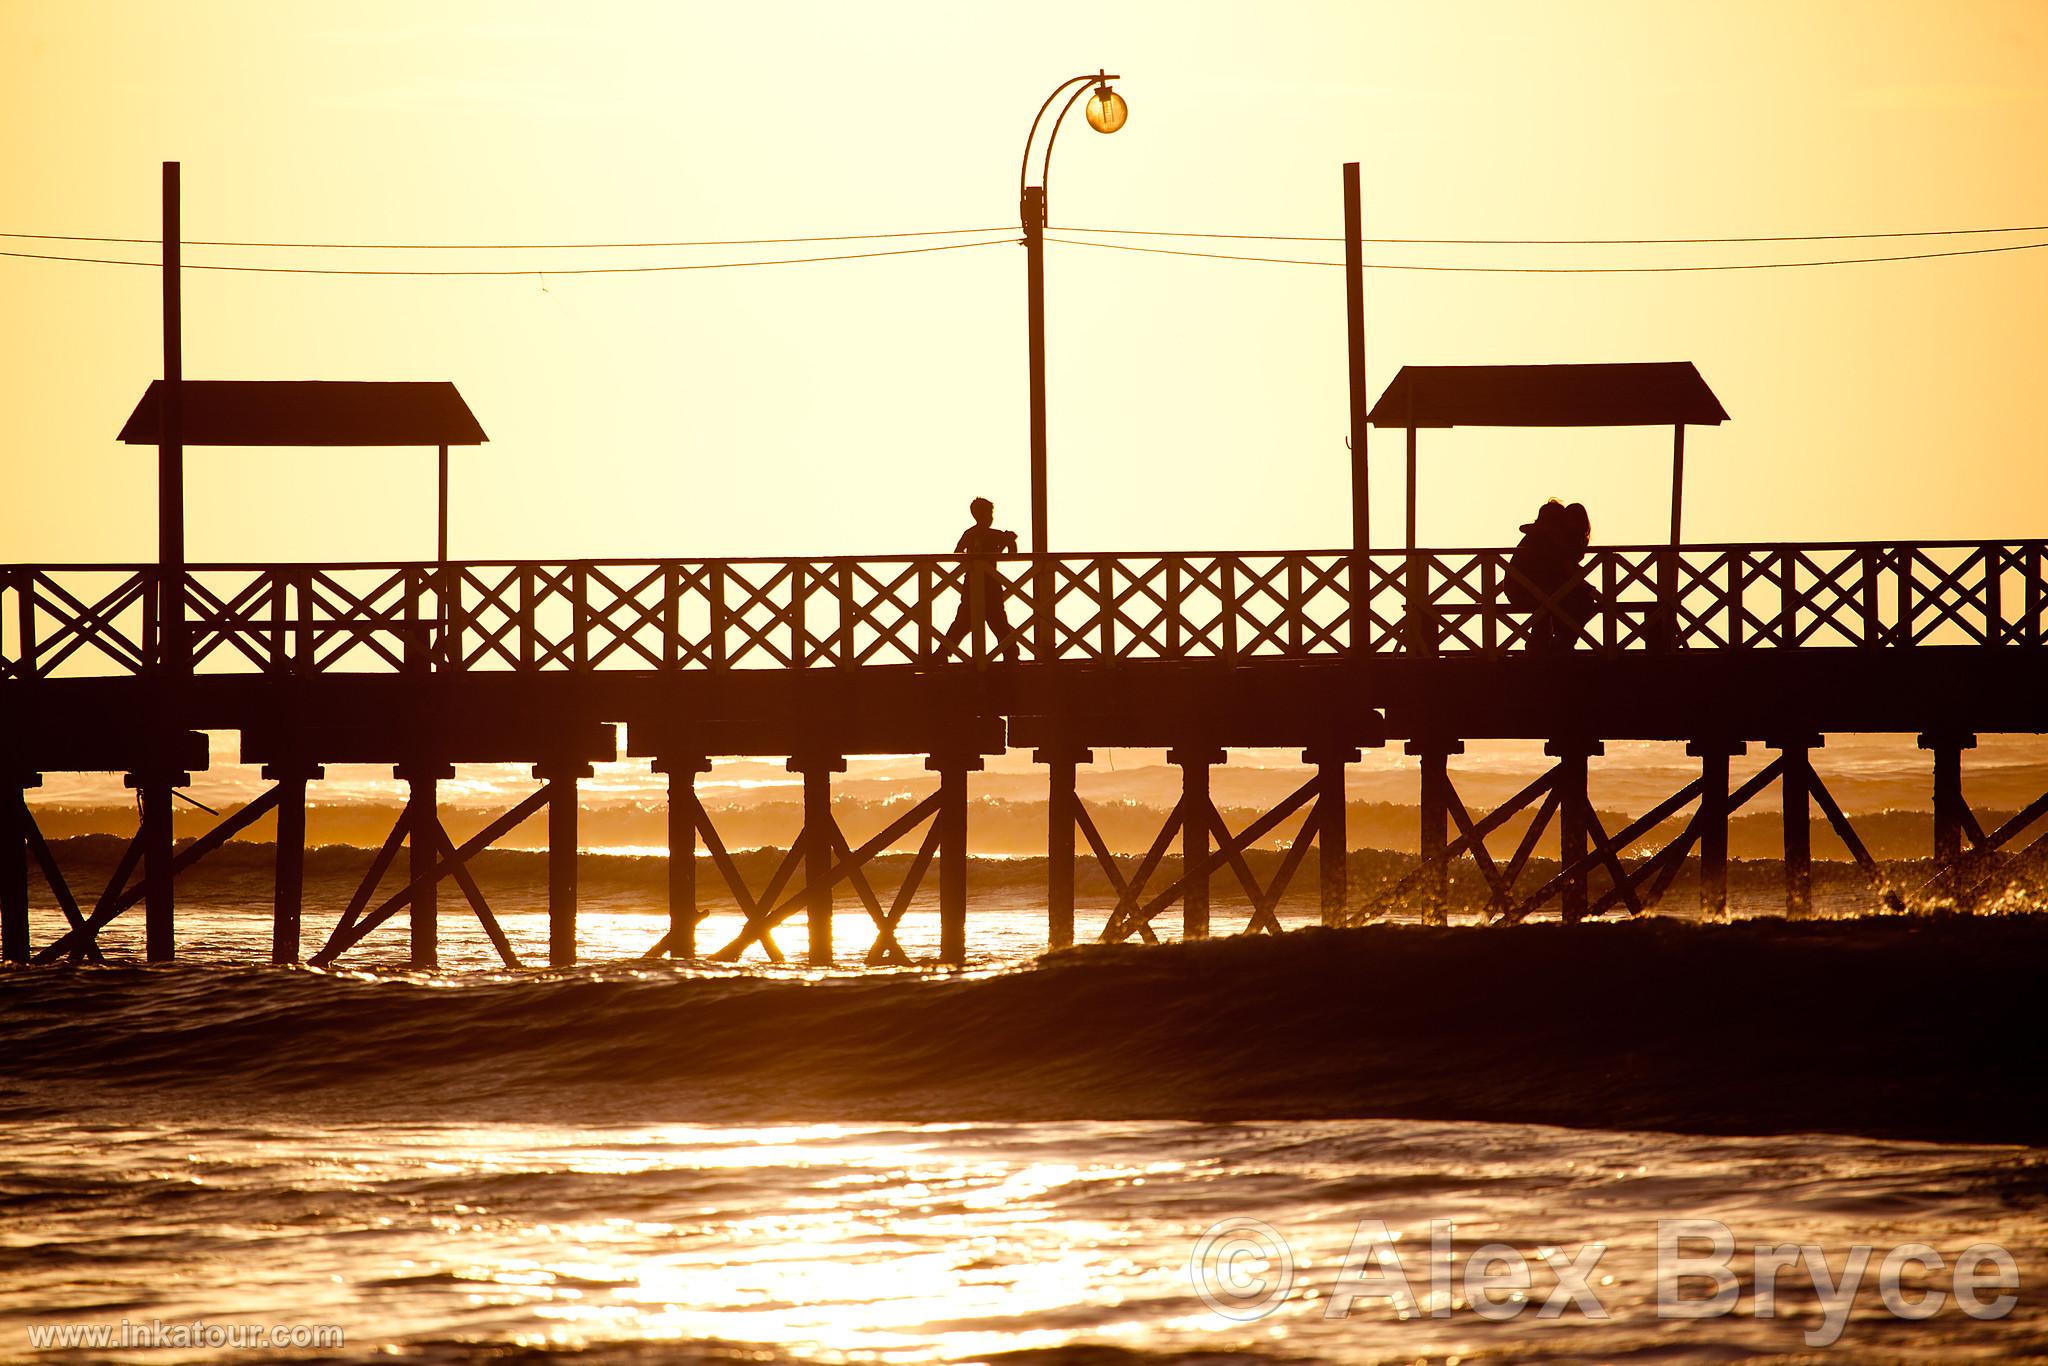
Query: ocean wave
<point>1760,1026</point>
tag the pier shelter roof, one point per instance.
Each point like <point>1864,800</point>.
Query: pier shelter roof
<point>1634,394</point>
<point>1631,394</point>
<point>218,412</point>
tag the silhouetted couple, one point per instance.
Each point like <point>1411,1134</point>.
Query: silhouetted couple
<point>981,587</point>
<point>1545,578</point>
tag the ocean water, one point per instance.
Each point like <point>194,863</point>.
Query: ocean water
<point>475,1164</point>
<point>663,1241</point>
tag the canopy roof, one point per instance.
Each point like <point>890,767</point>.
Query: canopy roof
<point>219,412</point>
<point>1641,394</point>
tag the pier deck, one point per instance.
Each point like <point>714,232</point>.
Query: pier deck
<point>426,665</point>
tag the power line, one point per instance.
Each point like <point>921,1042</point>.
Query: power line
<point>530,270</point>
<point>1556,270</point>
<point>537,271</point>
<point>1558,241</point>
<point>959,232</point>
<point>507,246</point>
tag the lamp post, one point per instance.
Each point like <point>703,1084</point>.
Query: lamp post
<point>1106,113</point>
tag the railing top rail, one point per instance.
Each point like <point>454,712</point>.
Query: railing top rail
<point>1382,553</point>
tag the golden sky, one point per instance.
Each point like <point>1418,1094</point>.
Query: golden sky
<point>856,407</point>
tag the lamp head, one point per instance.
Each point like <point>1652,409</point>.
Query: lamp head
<point>1107,111</point>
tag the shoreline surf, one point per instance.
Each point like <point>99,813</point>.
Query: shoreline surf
<point>1903,1027</point>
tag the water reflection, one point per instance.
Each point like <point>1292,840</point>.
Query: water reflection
<point>849,1242</point>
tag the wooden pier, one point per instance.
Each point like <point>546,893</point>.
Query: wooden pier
<point>423,666</point>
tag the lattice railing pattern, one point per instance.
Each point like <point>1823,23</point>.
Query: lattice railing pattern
<point>937,611</point>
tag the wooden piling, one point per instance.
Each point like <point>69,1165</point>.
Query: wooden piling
<point>1060,803</point>
<point>1712,817</point>
<point>1795,788</point>
<point>952,827</point>
<point>1433,800</point>
<point>1332,843</point>
<point>817,771</point>
<point>682,771</point>
<point>14,819</point>
<point>560,777</point>
<point>422,812</point>
<point>1194,762</point>
<point>159,910</point>
<point>1574,816</point>
<point>289,871</point>
<point>1950,810</point>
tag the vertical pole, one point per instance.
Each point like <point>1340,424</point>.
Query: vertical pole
<point>1948,805</point>
<point>1332,845</point>
<point>682,774</point>
<point>288,893</point>
<point>159,915</point>
<point>1796,789</point>
<point>1433,799</point>
<point>1194,762</point>
<point>1060,761</point>
<point>423,851</point>
<point>560,776</point>
<point>1044,632</point>
<point>1714,755</point>
<point>14,818</point>
<point>159,926</point>
<point>1421,630</point>
<point>170,445</point>
<point>953,769</point>
<point>1677,482</point>
<point>1033,213</point>
<point>1667,630</point>
<point>1354,333</point>
<point>1411,490</point>
<point>441,514</point>
<point>1573,809</point>
<point>817,771</point>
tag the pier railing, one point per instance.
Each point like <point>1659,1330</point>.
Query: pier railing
<point>940,611</point>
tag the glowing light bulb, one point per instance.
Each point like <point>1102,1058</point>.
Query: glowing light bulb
<point>1107,110</point>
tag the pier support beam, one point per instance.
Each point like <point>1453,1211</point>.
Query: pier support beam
<point>1574,816</point>
<point>817,771</point>
<point>159,915</point>
<point>14,819</point>
<point>289,878</point>
<point>1194,762</point>
<point>682,771</point>
<point>953,769</point>
<point>1712,819</point>
<point>422,816</point>
<point>1060,806</point>
<point>1950,811</point>
<point>560,776</point>
<point>1795,788</point>
<point>1332,844</point>
<point>1434,801</point>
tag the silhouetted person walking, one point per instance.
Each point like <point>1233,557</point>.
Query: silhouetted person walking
<point>1545,579</point>
<point>981,590</point>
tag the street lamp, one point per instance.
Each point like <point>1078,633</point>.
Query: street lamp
<point>1106,113</point>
